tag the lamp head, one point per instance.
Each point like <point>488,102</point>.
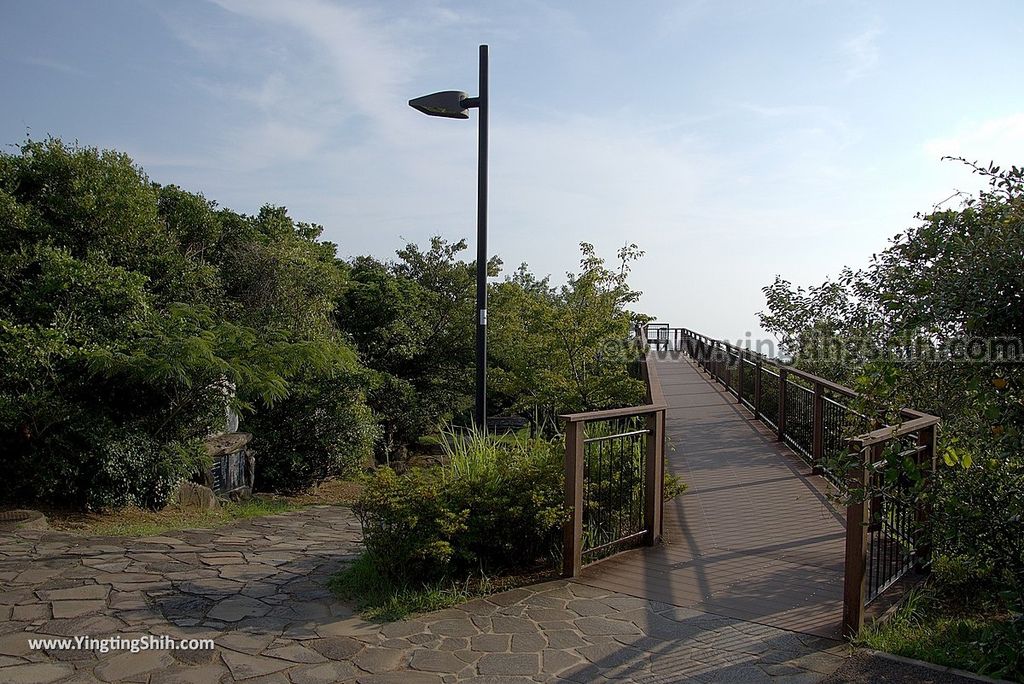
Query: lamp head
<point>448,103</point>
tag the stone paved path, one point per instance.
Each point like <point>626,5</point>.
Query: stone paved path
<point>258,589</point>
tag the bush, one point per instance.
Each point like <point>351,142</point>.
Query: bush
<point>408,529</point>
<point>323,429</point>
<point>979,518</point>
<point>493,505</point>
<point>133,469</point>
<point>512,492</point>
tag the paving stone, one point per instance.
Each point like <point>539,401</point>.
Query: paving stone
<point>508,664</point>
<point>491,643</point>
<point>435,661</point>
<point>295,653</point>
<point>545,601</point>
<point>347,627</point>
<point>124,666</point>
<point>238,607</point>
<point>824,663</point>
<point>71,609</point>
<point>13,598</point>
<point>401,678</point>
<point>88,591</point>
<point>127,600</point>
<point>589,607</point>
<point>245,642</point>
<point>179,674</point>
<point>584,591</point>
<point>88,624</point>
<point>453,644</point>
<point>198,656</point>
<point>211,587</point>
<point>15,643</point>
<point>245,666</point>
<point>375,660</point>
<point>740,674</point>
<point>564,639</point>
<point>541,614</point>
<point>35,673</point>
<point>611,654</point>
<point>30,613</point>
<point>247,573</point>
<point>479,607</point>
<point>528,643</point>
<point>454,628</point>
<point>554,661</point>
<point>599,626</point>
<point>324,673</point>
<point>336,648</point>
<point>503,624</point>
<point>508,598</point>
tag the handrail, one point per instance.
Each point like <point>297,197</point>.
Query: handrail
<point>790,370</point>
<point>887,434</point>
<point>606,414</point>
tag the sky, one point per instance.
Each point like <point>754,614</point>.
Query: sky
<point>732,141</point>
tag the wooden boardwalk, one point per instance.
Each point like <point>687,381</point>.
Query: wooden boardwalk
<point>754,537</point>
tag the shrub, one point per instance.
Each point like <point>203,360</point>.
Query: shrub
<point>494,504</point>
<point>133,469</point>
<point>511,491</point>
<point>408,529</point>
<point>322,429</point>
<point>979,518</point>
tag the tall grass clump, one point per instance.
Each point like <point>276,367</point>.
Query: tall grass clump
<point>494,504</point>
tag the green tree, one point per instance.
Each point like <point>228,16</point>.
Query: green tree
<point>109,377</point>
<point>955,278</point>
<point>566,349</point>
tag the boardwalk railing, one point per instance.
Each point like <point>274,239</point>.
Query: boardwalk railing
<point>819,420</point>
<point>614,477</point>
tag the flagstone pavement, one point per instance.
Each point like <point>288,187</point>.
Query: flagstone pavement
<point>258,589</point>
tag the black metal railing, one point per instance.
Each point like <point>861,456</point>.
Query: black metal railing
<point>894,519</point>
<point>614,467</point>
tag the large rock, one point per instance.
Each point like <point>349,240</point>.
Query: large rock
<point>22,520</point>
<point>196,496</point>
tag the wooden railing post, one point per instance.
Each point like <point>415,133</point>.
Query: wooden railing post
<point>757,388</point>
<point>926,462</point>
<point>739,375</point>
<point>782,403</point>
<point>654,483</point>
<point>572,532</point>
<point>857,519</point>
<point>818,429</point>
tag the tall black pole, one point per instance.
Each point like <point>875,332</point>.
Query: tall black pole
<point>481,252</point>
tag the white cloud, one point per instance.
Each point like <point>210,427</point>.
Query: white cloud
<point>861,53</point>
<point>1000,140</point>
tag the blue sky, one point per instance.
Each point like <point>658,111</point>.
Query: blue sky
<point>732,141</point>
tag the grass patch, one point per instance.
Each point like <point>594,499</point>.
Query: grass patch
<point>977,637</point>
<point>381,600</point>
<point>134,522</point>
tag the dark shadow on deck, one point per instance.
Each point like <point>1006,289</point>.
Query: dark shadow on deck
<point>753,538</point>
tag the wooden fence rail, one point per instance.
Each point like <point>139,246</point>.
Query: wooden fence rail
<point>614,477</point>
<point>818,419</point>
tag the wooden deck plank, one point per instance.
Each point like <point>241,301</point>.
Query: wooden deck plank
<point>753,538</point>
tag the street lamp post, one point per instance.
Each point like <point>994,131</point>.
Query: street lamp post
<point>454,104</point>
